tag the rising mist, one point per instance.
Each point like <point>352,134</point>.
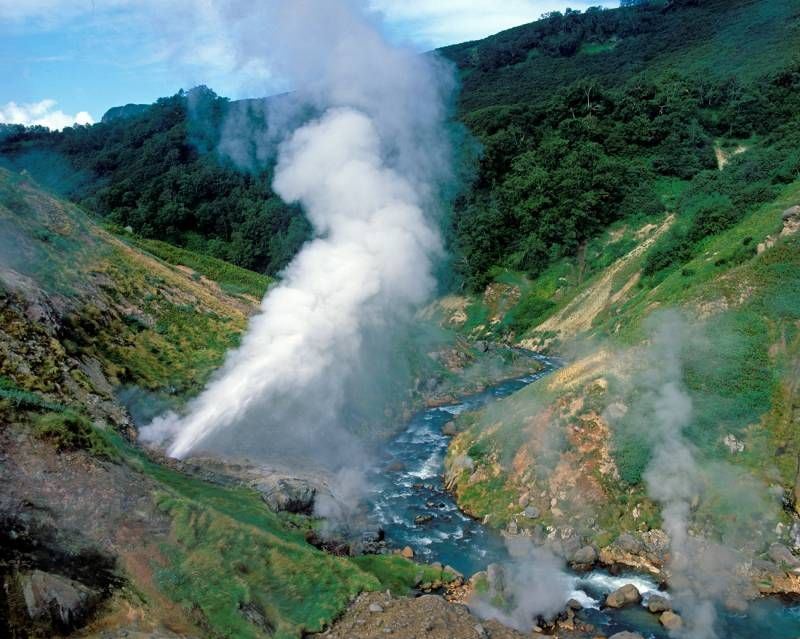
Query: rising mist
<point>367,169</point>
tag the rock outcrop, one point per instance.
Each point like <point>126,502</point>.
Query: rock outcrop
<point>626,595</point>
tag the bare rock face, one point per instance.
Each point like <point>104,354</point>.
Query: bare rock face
<point>791,220</point>
<point>627,594</point>
<point>56,601</point>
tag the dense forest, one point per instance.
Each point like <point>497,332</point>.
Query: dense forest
<point>573,135</point>
<point>159,171</point>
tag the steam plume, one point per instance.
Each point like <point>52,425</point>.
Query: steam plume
<point>366,172</point>
<point>702,572</point>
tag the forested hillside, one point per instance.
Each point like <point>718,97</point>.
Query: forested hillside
<point>585,119</point>
<point>582,119</point>
<point>158,169</point>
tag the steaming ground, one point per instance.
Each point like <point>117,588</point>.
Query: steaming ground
<point>367,172</point>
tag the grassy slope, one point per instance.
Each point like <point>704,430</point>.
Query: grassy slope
<point>743,379</point>
<point>151,324</point>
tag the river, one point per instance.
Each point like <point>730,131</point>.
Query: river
<point>410,484</point>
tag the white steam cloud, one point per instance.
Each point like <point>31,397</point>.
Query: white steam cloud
<point>366,171</point>
<point>534,586</point>
<point>702,572</point>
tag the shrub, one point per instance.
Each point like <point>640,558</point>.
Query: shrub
<point>673,248</point>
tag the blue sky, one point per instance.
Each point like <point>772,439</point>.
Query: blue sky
<point>63,60</point>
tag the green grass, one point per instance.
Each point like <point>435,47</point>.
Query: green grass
<point>228,550</point>
<point>68,431</point>
<point>231,279</point>
<point>24,399</point>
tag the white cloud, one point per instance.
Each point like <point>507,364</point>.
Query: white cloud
<point>451,21</point>
<point>43,113</point>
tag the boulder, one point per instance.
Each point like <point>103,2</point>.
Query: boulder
<point>671,620</point>
<point>584,557</point>
<point>60,602</point>
<point>450,429</point>
<point>290,495</point>
<point>407,552</point>
<point>374,607</point>
<point>531,512</point>
<point>626,635</point>
<point>574,604</point>
<point>422,519</point>
<point>657,604</point>
<point>627,594</point>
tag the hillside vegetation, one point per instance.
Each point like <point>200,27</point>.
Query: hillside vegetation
<point>574,140</point>
<point>163,171</point>
<point>599,208</point>
<point>97,329</point>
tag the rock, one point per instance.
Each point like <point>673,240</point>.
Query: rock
<point>373,607</point>
<point>584,557</point>
<point>657,604</point>
<point>373,535</point>
<point>574,604</point>
<point>732,444</point>
<point>512,528</point>
<point>628,543</point>
<point>58,601</point>
<point>450,429</point>
<point>626,635</point>
<point>791,221</point>
<point>782,556</point>
<point>422,519</point>
<point>480,630</point>
<point>531,512</point>
<point>407,552</point>
<point>671,620</point>
<point>289,495</point>
<point>482,346</point>
<point>627,594</point>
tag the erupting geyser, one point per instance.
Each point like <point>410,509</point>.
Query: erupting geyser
<point>366,171</point>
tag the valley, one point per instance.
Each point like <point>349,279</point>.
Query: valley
<point>498,340</point>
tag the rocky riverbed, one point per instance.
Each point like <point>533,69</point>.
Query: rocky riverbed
<point>620,587</point>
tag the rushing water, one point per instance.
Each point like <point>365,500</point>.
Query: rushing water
<point>410,485</point>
